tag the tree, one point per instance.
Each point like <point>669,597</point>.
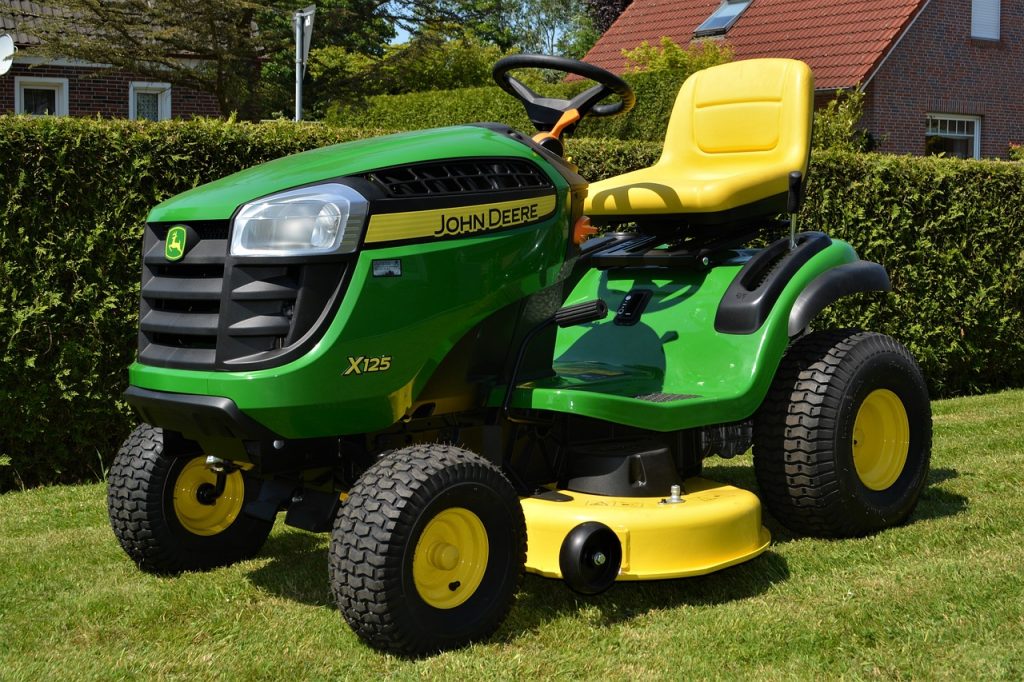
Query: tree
<point>222,47</point>
<point>603,13</point>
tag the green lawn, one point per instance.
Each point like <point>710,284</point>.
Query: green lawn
<point>942,597</point>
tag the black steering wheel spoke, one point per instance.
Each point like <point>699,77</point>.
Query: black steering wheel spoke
<point>547,112</point>
<point>588,99</point>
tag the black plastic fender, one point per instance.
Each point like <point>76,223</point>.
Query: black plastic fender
<point>831,285</point>
<point>749,300</point>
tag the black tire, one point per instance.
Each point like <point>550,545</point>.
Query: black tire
<point>141,505</point>
<point>590,558</point>
<point>804,439</point>
<point>376,573</point>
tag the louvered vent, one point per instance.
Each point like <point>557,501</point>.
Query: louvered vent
<point>458,177</point>
<point>208,311</point>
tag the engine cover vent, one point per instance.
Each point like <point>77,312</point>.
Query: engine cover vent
<point>443,178</point>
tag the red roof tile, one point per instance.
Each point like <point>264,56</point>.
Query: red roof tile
<point>842,40</point>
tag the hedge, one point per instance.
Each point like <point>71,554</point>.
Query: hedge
<point>73,196</point>
<point>75,192</point>
<point>656,95</point>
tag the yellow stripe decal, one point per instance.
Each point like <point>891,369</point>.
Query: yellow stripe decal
<point>458,220</point>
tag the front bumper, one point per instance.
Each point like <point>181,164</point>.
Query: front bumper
<point>214,422</point>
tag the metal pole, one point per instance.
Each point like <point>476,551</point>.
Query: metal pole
<point>297,20</point>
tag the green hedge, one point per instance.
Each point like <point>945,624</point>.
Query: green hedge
<point>949,233</point>
<point>656,94</point>
<point>75,193</point>
<point>73,197</point>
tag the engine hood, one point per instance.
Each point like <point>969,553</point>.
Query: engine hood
<point>219,199</point>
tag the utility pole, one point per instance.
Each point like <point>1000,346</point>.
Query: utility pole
<point>303,22</point>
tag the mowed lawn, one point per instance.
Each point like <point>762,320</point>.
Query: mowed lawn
<point>942,597</point>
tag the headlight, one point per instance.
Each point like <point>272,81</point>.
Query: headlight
<point>307,221</point>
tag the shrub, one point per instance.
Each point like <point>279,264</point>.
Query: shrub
<point>671,56</point>
<point>948,232</point>
<point>656,93</point>
<point>835,124</point>
<point>74,194</point>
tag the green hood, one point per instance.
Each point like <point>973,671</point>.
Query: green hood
<point>219,199</point>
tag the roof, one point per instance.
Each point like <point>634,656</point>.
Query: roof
<point>16,16</point>
<point>843,41</point>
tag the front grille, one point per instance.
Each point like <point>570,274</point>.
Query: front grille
<point>180,310</point>
<point>209,311</point>
<point>458,177</point>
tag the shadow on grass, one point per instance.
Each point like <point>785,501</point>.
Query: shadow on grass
<point>297,569</point>
<point>934,503</point>
<point>542,600</point>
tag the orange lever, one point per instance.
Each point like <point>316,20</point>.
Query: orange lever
<point>582,230</point>
<point>567,119</point>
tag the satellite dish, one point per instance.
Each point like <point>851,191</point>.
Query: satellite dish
<point>7,50</point>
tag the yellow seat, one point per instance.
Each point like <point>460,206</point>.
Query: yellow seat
<point>736,133</point>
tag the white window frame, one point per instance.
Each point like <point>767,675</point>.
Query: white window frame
<point>986,19</point>
<point>720,30</point>
<point>58,85</point>
<point>163,102</point>
<point>958,117</point>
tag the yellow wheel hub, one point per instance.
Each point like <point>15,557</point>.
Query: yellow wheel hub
<point>198,517</point>
<point>450,558</point>
<point>881,439</point>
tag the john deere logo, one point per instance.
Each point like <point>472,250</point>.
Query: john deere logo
<point>174,248</point>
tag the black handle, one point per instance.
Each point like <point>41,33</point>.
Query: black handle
<point>795,192</point>
<point>580,313</point>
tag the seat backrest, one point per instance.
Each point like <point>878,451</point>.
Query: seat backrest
<point>754,113</point>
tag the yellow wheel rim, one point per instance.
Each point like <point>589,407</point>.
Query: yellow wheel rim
<point>206,519</point>
<point>450,558</point>
<point>881,439</point>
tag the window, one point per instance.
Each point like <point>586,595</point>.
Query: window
<point>952,135</point>
<point>41,96</point>
<point>150,101</point>
<point>985,19</point>
<point>722,18</point>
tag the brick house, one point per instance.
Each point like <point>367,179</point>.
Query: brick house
<point>938,75</point>
<point>39,85</point>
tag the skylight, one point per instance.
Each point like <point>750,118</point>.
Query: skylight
<point>722,18</point>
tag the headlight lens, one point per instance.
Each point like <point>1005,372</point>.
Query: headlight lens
<point>311,220</point>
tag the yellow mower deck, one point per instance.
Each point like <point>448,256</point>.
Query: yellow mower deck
<point>713,527</point>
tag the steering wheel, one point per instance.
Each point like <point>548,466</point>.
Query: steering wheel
<point>554,116</point>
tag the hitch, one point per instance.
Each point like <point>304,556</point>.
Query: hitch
<point>209,493</point>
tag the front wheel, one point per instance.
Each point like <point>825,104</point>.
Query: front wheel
<point>843,439</point>
<point>167,513</point>
<point>428,550</point>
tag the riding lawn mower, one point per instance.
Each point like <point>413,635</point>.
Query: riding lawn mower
<point>462,360</point>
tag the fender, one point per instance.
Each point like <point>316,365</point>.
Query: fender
<point>833,284</point>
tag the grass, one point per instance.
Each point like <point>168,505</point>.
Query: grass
<point>942,597</point>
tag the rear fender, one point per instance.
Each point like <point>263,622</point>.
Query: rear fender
<point>831,285</point>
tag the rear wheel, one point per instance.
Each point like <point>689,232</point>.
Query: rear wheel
<point>427,550</point>
<point>168,514</point>
<point>843,440</point>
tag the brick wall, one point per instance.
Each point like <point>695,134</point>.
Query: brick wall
<point>94,91</point>
<point>938,68</point>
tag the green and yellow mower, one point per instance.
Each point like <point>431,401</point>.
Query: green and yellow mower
<point>462,360</point>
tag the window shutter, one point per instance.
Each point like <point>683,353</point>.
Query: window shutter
<point>985,19</point>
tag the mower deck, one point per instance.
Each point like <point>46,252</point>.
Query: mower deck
<point>713,526</point>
